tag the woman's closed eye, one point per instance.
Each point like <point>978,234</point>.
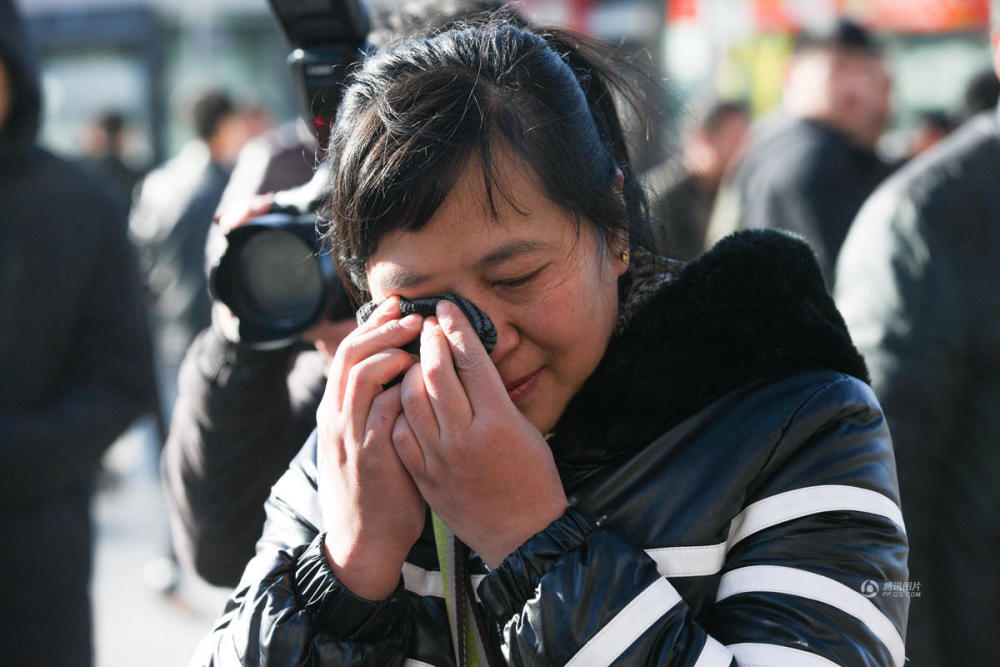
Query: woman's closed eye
<point>519,280</point>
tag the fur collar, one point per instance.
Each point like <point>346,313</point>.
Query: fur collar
<point>753,307</point>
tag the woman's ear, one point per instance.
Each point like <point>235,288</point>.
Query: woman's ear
<point>619,250</point>
<point>619,240</point>
<point>622,255</point>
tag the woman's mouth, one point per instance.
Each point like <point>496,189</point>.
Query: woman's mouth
<point>520,387</point>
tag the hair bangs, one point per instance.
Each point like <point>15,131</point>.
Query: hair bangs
<point>417,117</point>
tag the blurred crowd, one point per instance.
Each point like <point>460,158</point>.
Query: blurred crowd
<point>105,315</point>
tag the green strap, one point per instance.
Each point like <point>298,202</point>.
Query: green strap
<point>453,561</point>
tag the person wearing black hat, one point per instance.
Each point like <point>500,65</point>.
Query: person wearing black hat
<point>809,166</point>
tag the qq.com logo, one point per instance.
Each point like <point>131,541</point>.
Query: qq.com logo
<point>869,588</point>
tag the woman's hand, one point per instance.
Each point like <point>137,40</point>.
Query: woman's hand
<point>483,468</point>
<point>372,511</point>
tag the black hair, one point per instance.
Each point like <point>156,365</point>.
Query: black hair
<point>939,119</point>
<point>415,115</point>
<point>209,110</point>
<point>717,113</point>
<point>845,34</point>
<point>111,122</point>
<point>981,92</point>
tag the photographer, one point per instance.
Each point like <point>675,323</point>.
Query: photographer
<point>243,412</point>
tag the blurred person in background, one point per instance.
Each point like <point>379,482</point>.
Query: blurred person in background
<point>169,223</point>
<point>682,190</point>
<point>809,167</point>
<point>278,158</point>
<point>258,120</point>
<point>286,156</point>
<point>242,413</point>
<point>104,154</point>
<point>274,157</point>
<point>75,370</point>
<point>916,282</point>
<point>932,127</point>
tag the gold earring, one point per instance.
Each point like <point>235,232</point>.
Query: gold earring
<point>625,257</point>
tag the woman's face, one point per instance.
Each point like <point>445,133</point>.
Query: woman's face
<point>551,292</point>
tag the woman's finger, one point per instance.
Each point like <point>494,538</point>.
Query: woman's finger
<point>386,407</point>
<point>343,358</point>
<point>475,370</point>
<point>418,410</point>
<point>444,389</point>
<point>238,215</point>
<point>365,341</point>
<point>365,381</point>
<point>394,333</point>
<point>387,310</point>
<point>408,448</point>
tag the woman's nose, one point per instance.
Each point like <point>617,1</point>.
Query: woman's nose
<point>507,337</point>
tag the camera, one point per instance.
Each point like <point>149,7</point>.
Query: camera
<point>276,278</point>
<point>272,271</point>
<point>327,37</point>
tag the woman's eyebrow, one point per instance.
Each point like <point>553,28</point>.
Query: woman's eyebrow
<point>401,279</point>
<point>509,250</point>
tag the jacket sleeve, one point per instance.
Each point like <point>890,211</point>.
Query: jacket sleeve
<point>289,608</point>
<point>109,379</point>
<point>794,585</point>
<point>240,416</point>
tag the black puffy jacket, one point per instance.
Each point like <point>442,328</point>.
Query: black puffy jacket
<point>732,491</point>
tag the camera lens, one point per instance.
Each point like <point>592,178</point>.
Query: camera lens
<point>274,275</point>
<point>282,284</point>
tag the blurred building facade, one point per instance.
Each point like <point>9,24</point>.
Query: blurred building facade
<point>150,57</point>
<point>739,50</point>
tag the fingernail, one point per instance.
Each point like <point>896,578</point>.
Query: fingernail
<point>411,321</point>
<point>445,312</point>
<point>430,322</point>
<point>391,305</point>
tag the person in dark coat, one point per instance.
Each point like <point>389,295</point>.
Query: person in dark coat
<point>809,167</point>
<point>638,464</point>
<point>169,222</point>
<point>682,190</point>
<point>103,154</point>
<point>75,370</point>
<point>916,282</point>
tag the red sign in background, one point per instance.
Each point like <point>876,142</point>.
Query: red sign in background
<point>894,15</point>
<point>923,15</point>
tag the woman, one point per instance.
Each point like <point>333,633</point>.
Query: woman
<point>654,465</point>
